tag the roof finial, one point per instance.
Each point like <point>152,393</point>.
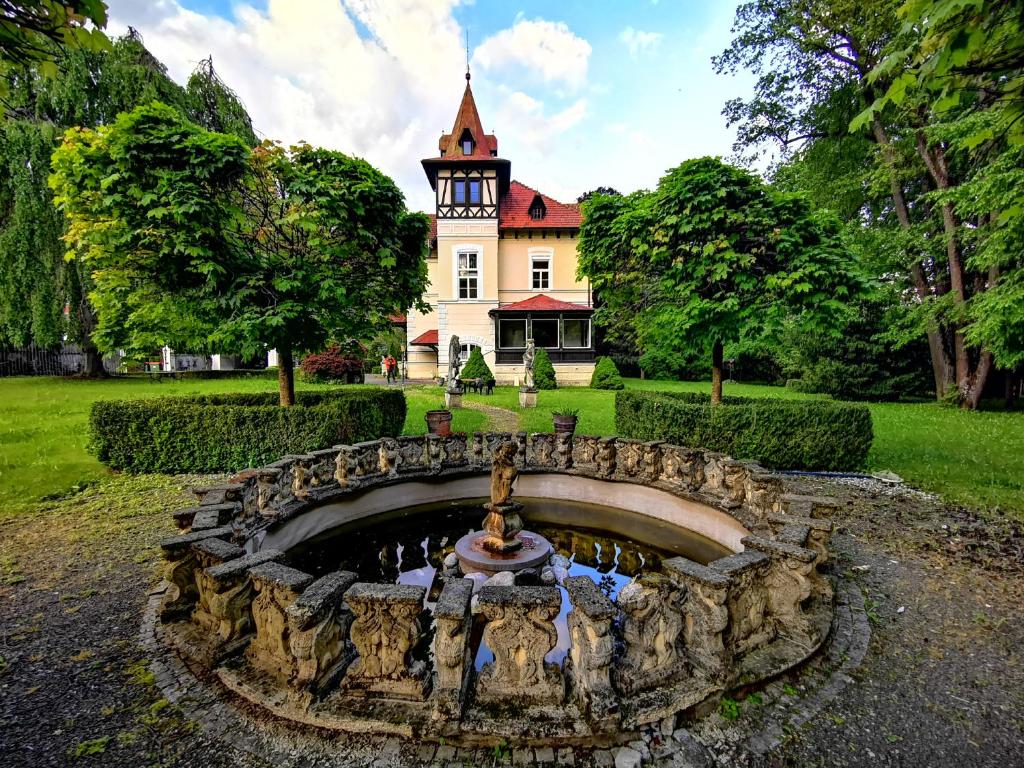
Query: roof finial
<point>467,55</point>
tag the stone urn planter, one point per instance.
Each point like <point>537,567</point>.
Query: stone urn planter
<point>565,422</point>
<point>439,422</point>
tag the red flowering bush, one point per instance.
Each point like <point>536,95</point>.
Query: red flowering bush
<point>333,364</point>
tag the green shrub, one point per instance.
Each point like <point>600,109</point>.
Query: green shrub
<point>226,433</point>
<point>543,371</point>
<point>780,434</point>
<point>476,367</point>
<point>606,375</point>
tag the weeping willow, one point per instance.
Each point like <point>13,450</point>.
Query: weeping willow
<point>43,295</point>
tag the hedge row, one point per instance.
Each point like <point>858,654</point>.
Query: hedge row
<point>226,433</point>
<point>780,434</point>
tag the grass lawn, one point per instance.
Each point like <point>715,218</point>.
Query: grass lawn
<point>44,424</point>
<point>975,459</point>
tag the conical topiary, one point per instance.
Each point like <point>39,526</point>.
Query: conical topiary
<point>606,375</point>
<point>543,371</point>
<point>476,367</point>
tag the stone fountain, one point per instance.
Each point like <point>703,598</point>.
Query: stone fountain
<point>502,545</point>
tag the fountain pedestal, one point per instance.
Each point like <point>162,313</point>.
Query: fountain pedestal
<point>502,545</point>
<point>502,525</point>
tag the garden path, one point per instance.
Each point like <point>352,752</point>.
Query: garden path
<point>498,419</point>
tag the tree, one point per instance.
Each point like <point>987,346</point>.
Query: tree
<point>476,367</point>
<point>544,371</point>
<point>714,256</point>
<point>598,191</point>
<point>195,240</point>
<point>43,297</point>
<point>606,375</point>
<point>893,171</point>
<point>34,33</point>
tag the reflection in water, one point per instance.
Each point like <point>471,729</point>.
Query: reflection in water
<point>408,546</point>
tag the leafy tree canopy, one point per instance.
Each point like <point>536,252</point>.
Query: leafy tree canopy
<point>712,256</point>
<point>196,241</point>
<point>34,33</point>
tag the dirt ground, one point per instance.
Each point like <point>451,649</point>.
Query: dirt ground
<point>942,683</point>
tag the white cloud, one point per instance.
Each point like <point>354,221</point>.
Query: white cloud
<point>640,42</point>
<point>304,71</point>
<point>549,49</point>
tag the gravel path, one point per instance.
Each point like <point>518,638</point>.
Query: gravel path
<point>498,419</point>
<point>942,683</point>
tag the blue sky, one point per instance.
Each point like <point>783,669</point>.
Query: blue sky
<point>579,93</point>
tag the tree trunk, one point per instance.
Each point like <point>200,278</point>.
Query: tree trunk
<point>969,381</point>
<point>942,368</point>
<point>716,373</point>
<point>285,375</point>
<point>93,360</point>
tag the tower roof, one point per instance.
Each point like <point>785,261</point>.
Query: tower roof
<point>468,119</point>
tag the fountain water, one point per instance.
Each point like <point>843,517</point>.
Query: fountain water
<point>502,545</point>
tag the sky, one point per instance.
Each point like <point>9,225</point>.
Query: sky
<point>581,93</point>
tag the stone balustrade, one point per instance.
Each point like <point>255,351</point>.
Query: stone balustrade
<point>329,651</point>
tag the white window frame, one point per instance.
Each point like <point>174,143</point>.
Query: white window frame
<point>590,331</point>
<point>541,253</point>
<point>457,251</point>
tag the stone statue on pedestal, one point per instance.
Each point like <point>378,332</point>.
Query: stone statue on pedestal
<point>528,358</point>
<point>454,363</point>
<point>503,522</point>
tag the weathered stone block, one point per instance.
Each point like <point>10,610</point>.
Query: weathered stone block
<point>789,584</point>
<point>520,632</point>
<point>385,632</point>
<point>652,625</point>
<point>542,450</point>
<point>318,626</point>
<point>412,453</point>
<point>276,586</point>
<point>218,513</point>
<point>705,613</point>
<point>452,628</point>
<point>749,627</point>
<point>591,650</point>
<point>226,594</point>
<point>180,571</point>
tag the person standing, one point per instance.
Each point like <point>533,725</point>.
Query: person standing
<point>392,368</point>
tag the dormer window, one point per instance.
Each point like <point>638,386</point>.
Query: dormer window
<point>466,142</point>
<point>537,208</point>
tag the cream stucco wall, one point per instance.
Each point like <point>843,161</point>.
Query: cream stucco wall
<point>514,259</point>
<point>504,278</point>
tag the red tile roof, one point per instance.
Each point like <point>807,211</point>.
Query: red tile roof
<point>426,339</point>
<point>542,303</point>
<point>396,319</point>
<point>515,210</point>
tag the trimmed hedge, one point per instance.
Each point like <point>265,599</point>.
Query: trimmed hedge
<point>606,375</point>
<point>476,367</point>
<point>226,433</point>
<point>544,371</point>
<point>780,434</point>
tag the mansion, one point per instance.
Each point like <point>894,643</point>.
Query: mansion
<point>502,265</point>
